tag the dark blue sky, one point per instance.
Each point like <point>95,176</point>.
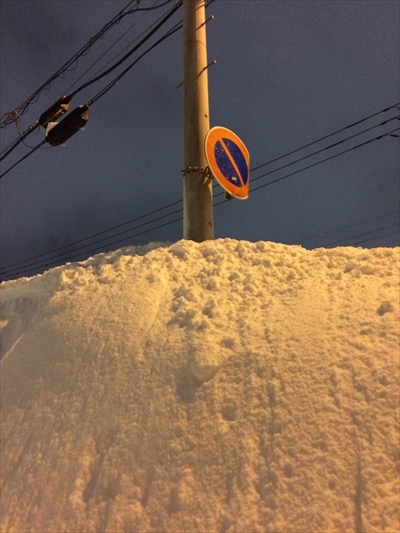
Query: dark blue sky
<point>288,73</point>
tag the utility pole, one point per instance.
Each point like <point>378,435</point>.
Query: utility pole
<point>198,220</point>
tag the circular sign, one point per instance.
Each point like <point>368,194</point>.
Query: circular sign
<point>229,161</point>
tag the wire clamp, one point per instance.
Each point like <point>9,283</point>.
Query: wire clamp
<point>205,171</point>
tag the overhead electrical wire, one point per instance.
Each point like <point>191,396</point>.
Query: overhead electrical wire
<point>128,54</point>
<point>177,27</point>
<point>327,232</point>
<point>99,35</point>
<point>319,162</point>
<point>77,253</point>
<point>115,80</point>
<point>121,51</point>
<point>24,157</point>
<point>327,136</point>
<point>397,117</point>
<point>219,194</point>
<point>362,234</point>
<point>108,50</point>
<point>68,252</point>
<point>374,238</point>
<point>308,156</point>
<point>155,27</point>
<point>14,115</point>
<point>36,264</point>
<point>10,117</point>
<point>305,168</point>
<point>97,234</point>
<point>20,139</point>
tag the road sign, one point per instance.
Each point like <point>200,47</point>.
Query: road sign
<point>229,161</point>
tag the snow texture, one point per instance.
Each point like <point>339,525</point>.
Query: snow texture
<point>218,387</point>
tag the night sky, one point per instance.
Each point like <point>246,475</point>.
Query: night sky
<point>288,73</point>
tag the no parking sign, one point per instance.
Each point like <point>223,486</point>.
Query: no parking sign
<point>229,161</point>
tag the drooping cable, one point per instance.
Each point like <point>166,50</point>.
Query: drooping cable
<point>20,139</point>
<point>22,158</point>
<point>133,50</point>
<point>177,27</point>
<point>110,48</point>
<point>328,147</point>
<point>9,117</point>
<point>163,20</point>
<point>14,115</point>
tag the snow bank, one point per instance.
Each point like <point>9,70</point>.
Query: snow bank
<point>217,387</point>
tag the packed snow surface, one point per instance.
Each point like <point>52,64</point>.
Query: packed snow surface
<point>218,387</point>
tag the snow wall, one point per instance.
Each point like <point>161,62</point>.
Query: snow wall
<point>217,387</point>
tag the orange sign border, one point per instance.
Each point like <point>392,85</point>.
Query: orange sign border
<point>217,133</point>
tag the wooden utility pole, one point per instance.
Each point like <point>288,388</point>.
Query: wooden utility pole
<point>198,220</point>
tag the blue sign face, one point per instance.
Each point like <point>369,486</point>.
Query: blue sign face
<point>229,161</point>
<point>237,176</point>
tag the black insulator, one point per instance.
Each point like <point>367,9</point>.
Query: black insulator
<point>55,111</point>
<point>68,126</point>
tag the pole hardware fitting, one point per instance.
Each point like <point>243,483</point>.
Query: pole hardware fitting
<point>199,74</point>
<point>205,22</point>
<point>205,171</point>
<point>213,62</point>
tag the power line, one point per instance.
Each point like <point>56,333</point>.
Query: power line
<point>323,233</point>
<point>110,47</point>
<point>99,249</point>
<point>36,263</point>
<point>12,116</point>
<point>96,234</point>
<point>79,253</point>
<point>11,147</point>
<point>362,234</point>
<point>134,49</point>
<point>397,117</point>
<point>157,26</point>
<point>327,136</point>
<point>174,203</point>
<point>115,42</point>
<point>24,157</point>
<point>177,27</point>
<point>374,238</point>
<point>319,162</point>
<point>116,227</point>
